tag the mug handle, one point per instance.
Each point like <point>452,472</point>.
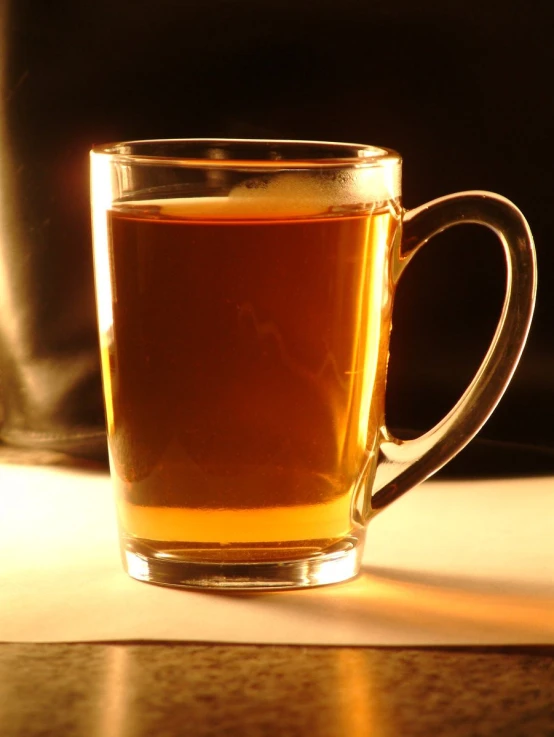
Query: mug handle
<point>404,463</point>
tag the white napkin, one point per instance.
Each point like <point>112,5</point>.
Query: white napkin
<point>450,563</point>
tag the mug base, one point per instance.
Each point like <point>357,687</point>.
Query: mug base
<point>334,565</point>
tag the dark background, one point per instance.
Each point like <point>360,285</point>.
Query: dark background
<point>461,89</point>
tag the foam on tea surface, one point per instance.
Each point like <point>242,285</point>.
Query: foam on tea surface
<point>303,193</point>
<point>287,195</point>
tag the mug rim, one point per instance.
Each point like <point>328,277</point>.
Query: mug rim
<point>326,154</point>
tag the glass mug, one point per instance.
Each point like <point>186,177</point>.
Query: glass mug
<point>245,293</point>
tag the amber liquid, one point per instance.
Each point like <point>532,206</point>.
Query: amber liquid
<point>244,377</point>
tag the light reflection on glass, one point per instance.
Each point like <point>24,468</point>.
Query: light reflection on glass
<point>102,197</point>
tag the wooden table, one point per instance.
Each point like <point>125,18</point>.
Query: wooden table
<point>169,690</point>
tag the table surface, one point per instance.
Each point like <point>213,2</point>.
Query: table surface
<point>169,690</point>
<point>174,689</point>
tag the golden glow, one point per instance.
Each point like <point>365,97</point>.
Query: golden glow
<point>352,442</point>
<point>107,381</point>
<point>372,319</point>
<point>302,522</point>
<point>366,343</point>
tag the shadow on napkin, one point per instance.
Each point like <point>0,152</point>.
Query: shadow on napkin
<point>440,608</point>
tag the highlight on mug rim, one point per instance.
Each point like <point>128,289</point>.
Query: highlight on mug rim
<point>249,153</point>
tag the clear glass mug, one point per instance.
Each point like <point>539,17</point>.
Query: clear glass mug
<point>245,293</point>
